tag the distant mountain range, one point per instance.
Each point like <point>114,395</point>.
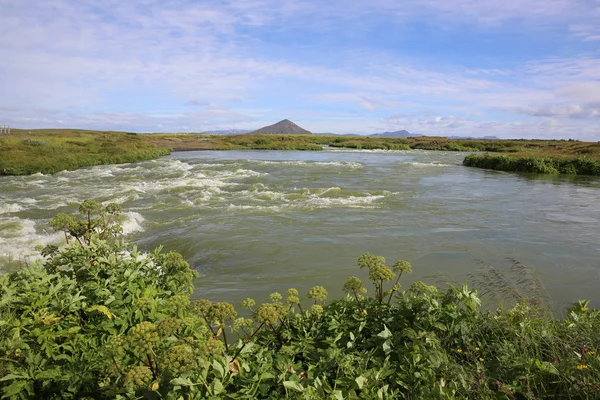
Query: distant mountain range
<point>288,127</point>
<point>396,134</point>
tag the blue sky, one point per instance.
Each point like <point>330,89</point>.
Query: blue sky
<point>509,68</point>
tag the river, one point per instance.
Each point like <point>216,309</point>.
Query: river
<point>254,222</point>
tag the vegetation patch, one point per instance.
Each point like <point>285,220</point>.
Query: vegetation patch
<point>535,164</point>
<point>51,151</point>
<point>99,319</point>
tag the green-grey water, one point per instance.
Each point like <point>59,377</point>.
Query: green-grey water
<point>254,222</point>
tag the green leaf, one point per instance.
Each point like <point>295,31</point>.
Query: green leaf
<point>293,386</point>
<point>387,346</point>
<point>385,333</point>
<point>15,389</point>
<point>338,395</point>
<point>13,376</point>
<point>360,381</point>
<point>219,368</point>
<point>547,367</point>
<point>440,326</point>
<point>217,386</point>
<point>181,382</point>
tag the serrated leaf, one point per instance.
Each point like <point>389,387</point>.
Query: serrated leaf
<point>293,386</point>
<point>14,389</point>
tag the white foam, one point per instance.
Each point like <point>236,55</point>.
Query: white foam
<point>10,208</point>
<point>428,164</point>
<point>349,164</point>
<point>133,222</point>
<point>351,201</point>
<point>19,238</point>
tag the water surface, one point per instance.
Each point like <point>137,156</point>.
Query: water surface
<point>253,222</point>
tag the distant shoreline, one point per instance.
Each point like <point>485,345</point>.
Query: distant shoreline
<point>28,151</point>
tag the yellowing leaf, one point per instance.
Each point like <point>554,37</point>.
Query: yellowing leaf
<point>234,367</point>
<point>50,318</point>
<point>104,310</point>
<point>154,387</point>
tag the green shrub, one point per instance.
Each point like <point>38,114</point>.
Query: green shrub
<point>35,142</point>
<point>539,165</point>
<point>99,319</point>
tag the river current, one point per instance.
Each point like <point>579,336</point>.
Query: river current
<point>255,222</point>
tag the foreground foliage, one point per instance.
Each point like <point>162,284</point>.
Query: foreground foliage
<point>99,319</point>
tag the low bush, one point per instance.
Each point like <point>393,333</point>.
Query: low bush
<point>35,143</point>
<point>99,319</point>
<point>539,165</point>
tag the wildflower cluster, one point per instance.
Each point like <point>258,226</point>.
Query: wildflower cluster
<point>317,293</point>
<point>138,376</point>
<point>180,358</point>
<point>144,336</point>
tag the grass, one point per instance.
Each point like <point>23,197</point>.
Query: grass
<point>53,150</point>
<point>49,151</point>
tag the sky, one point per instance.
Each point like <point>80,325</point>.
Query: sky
<point>507,68</point>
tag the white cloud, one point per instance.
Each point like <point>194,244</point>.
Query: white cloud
<point>125,63</point>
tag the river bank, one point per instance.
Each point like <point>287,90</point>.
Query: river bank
<point>48,151</point>
<point>52,150</point>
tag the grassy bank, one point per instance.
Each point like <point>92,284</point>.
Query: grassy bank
<point>97,319</point>
<point>550,148</point>
<point>49,151</point>
<point>535,164</point>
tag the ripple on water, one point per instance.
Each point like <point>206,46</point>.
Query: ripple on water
<point>306,217</point>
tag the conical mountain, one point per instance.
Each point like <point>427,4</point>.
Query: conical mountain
<point>285,126</point>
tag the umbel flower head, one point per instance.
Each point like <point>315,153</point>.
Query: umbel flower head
<point>317,293</point>
<point>378,271</point>
<point>266,313</point>
<point>354,285</point>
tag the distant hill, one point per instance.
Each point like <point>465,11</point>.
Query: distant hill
<point>397,134</point>
<point>285,126</point>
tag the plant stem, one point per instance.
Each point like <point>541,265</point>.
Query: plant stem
<point>395,286</point>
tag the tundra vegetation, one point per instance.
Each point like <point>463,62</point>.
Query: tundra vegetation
<point>98,318</point>
<point>49,151</point>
